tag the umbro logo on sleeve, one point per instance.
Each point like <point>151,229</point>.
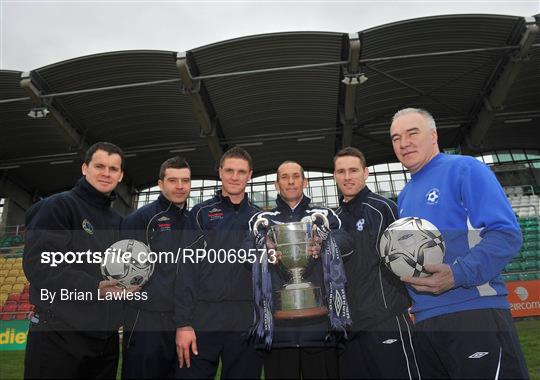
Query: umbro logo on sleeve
<point>478,355</point>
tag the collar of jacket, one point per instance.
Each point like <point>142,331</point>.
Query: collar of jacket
<point>165,204</point>
<point>358,199</point>
<point>92,196</point>
<point>227,201</point>
<point>284,206</point>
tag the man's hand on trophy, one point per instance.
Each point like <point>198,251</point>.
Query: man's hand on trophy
<point>315,246</point>
<point>274,256</point>
<point>322,231</point>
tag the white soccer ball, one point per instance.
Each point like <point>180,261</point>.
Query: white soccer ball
<point>410,243</point>
<point>135,272</point>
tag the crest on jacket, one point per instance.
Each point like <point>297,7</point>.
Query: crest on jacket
<point>88,227</point>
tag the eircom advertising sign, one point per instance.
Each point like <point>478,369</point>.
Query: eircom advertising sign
<point>13,335</point>
<point>524,298</point>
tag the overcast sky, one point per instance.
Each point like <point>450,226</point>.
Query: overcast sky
<point>38,33</point>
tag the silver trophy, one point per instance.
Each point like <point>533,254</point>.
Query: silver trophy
<point>297,299</point>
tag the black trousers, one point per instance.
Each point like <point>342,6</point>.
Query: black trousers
<point>148,345</point>
<point>54,352</point>
<point>239,359</point>
<point>470,344</point>
<point>301,363</point>
<point>384,352</point>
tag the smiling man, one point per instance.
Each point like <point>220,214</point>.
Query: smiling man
<point>464,327</point>
<point>379,345</point>
<point>213,294</point>
<point>149,349</point>
<point>301,348</point>
<point>69,339</point>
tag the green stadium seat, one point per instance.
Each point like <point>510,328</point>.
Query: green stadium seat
<point>529,265</point>
<point>528,236</point>
<point>530,245</point>
<point>513,266</point>
<point>527,276</point>
<point>531,221</point>
<point>529,254</point>
<point>510,277</point>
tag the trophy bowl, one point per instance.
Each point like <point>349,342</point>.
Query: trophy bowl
<point>297,299</point>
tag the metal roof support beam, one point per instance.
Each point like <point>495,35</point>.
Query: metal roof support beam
<point>494,102</point>
<point>73,137</point>
<point>208,125</point>
<point>351,78</point>
<point>15,196</point>
<point>75,140</point>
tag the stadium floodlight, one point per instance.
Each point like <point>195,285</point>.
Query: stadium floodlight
<point>362,78</point>
<point>38,112</point>
<point>354,79</point>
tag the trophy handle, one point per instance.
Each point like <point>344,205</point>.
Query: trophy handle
<point>259,220</point>
<point>318,215</point>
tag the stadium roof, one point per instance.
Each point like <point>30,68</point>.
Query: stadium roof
<point>298,96</point>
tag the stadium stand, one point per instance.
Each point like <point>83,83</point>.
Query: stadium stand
<point>526,265</point>
<point>14,287</point>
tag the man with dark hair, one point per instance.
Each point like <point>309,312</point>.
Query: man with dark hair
<point>238,153</point>
<point>149,349</point>
<point>74,331</point>
<point>214,301</point>
<point>379,344</point>
<point>464,328</point>
<point>106,147</point>
<point>302,347</point>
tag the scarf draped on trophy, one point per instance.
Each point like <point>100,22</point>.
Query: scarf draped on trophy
<point>263,328</point>
<point>334,284</point>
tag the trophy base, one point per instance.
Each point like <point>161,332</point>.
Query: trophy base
<point>301,300</point>
<point>301,313</point>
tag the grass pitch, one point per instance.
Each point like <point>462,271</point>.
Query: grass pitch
<point>12,362</point>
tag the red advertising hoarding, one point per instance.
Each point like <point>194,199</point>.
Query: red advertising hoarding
<point>524,298</point>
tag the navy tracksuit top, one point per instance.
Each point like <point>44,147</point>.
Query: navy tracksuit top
<point>159,225</point>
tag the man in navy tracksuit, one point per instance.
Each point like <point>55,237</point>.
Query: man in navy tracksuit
<point>213,297</point>
<point>149,349</point>
<point>301,348</point>
<point>464,328</point>
<point>74,338</point>
<point>379,344</point>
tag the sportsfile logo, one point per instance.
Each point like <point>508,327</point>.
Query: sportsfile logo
<point>478,355</point>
